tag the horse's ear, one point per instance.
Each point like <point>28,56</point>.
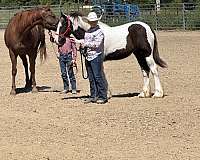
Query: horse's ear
<point>46,7</point>
<point>62,14</point>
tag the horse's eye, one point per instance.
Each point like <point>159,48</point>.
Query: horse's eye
<point>61,19</point>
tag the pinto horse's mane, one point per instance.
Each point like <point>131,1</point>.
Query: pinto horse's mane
<point>76,14</point>
<point>82,21</point>
<point>79,14</point>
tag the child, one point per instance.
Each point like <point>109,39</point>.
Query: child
<point>67,54</point>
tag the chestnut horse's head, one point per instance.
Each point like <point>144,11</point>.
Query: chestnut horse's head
<point>49,19</point>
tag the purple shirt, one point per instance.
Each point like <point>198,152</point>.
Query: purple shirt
<point>94,41</point>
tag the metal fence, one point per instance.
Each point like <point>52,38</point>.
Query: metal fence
<point>185,16</point>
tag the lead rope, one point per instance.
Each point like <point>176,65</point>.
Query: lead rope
<point>54,51</point>
<point>82,52</point>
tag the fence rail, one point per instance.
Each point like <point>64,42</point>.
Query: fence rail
<point>185,16</point>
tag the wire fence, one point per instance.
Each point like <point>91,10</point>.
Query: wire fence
<point>184,16</point>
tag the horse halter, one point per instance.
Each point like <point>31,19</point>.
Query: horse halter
<point>68,29</point>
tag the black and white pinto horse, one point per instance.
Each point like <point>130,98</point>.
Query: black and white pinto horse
<point>120,42</point>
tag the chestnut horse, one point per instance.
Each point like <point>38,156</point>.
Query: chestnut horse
<point>24,35</point>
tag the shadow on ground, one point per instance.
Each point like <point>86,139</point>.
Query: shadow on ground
<point>123,95</point>
<point>27,90</point>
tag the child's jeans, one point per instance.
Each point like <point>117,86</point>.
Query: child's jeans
<point>66,68</point>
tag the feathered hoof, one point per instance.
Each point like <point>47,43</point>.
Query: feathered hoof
<point>13,92</point>
<point>158,94</point>
<point>144,95</point>
<point>109,94</point>
<point>34,90</point>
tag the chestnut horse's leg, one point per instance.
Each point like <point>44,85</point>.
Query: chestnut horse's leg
<point>32,70</point>
<point>25,63</point>
<point>13,58</point>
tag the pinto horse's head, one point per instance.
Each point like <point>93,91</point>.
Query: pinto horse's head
<point>49,20</point>
<point>68,25</point>
<point>64,29</point>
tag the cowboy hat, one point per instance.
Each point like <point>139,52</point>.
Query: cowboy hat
<point>92,16</point>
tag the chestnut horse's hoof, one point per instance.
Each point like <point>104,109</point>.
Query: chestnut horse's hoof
<point>13,92</point>
<point>34,90</point>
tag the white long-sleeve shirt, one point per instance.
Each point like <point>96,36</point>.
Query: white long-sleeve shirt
<point>94,41</point>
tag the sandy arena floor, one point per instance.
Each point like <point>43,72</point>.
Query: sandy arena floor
<point>50,126</point>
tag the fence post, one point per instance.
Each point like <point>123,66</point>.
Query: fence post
<point>129,13</point>
<point>183,12</point>
<point>78,5</point>
<point>157,5</point>
<point>156,18</point>
<point>9,15</point>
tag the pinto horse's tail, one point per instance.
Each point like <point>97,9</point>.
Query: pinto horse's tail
<point>156,56</point>
<point>42,48</point>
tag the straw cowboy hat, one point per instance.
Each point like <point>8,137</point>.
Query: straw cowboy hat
<point>92,16</point>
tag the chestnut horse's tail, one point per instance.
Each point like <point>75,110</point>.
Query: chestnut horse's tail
<point>156,56</point>
<point>42,47</point>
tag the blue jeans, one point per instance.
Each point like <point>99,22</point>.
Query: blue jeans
<point>98,83</point>
<point>66,68</point>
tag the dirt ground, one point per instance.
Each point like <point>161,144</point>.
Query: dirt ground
<point>50,126</point>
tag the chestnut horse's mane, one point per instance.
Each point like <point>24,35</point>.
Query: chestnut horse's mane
<point>25,18</point>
